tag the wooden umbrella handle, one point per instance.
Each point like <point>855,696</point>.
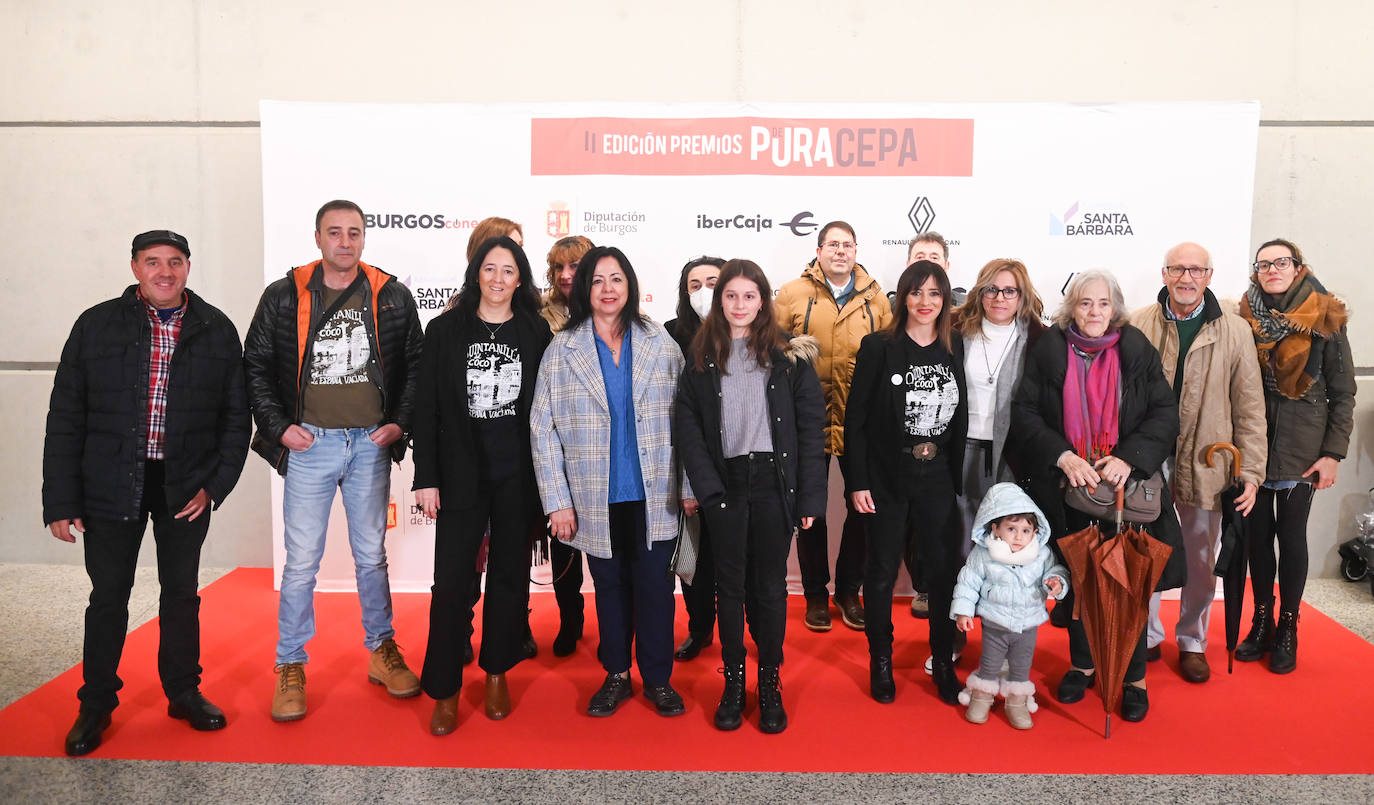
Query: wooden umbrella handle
<point>1213,449</point>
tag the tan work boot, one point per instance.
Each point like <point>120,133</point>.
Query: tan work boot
<point>387,667</point>
<point>288,702</point>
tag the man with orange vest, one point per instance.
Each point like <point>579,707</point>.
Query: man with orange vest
<point>331,360</point>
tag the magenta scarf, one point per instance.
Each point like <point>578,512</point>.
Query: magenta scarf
<point>1092,393</point>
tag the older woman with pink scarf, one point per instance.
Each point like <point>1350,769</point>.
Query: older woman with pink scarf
<point>1093,407</point>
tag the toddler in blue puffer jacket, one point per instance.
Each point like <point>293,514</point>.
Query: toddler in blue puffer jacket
<point>1005,581</point>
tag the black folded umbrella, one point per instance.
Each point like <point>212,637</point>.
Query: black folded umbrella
<point>1233,558</point>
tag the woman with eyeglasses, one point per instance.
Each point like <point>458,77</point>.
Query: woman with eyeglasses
<point>1309,400</point>
<point>998,324</point>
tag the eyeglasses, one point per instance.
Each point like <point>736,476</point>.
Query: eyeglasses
<point>838,246</point>
<point>1281,264</point>
<point>1009,294</point>
<point>1193,271</point>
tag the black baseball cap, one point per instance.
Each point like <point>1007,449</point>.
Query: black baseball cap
<point>159,237</point>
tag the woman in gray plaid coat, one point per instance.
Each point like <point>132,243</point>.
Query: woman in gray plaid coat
<point>600,432</point>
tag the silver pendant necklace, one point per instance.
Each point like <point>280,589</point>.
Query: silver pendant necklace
<point>992,370</point>
<point>490,332</point>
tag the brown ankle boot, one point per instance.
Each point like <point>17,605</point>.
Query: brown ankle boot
<point>444,719</point>
<point>498,697</point>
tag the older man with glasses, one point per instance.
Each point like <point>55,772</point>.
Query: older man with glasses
<point>1209,358</point>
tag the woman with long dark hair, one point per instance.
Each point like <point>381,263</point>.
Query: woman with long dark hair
<point>1309,400</point>
<point>696,287</point>
<point>1094,407</point>
<point>600,430</point>
<point>472,467</point>
<point>904,431</point>
<point>750,423</point>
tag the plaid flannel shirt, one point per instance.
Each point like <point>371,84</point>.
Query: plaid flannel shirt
<point>164,343</point>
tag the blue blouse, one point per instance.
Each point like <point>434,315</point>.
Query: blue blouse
<point>627,480</point>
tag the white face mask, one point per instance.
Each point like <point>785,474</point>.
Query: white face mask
<point>700,300</point>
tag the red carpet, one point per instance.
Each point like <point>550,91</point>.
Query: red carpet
<point>1315,720</point>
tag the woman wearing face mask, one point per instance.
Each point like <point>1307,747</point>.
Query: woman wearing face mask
<point>904,433</point>
<point>695,289</point>
<point>601,434</point>
<point>1309,399</point>
<point>749,423</point>
<point>1093,407</point>
<point>565,561</point>
<point>472,466</point>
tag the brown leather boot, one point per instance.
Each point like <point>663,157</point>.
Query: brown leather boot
<point>387,667</point>
<point>498,697</point>
<point>288,702</point>
<point>444,719</point>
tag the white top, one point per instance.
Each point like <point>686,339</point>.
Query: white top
<point>983,362</point>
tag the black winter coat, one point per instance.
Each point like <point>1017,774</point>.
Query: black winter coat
<point>1147,433</point>
<point>875,417</point>
<point>444,445</point>
<point>94,452</point>
<point>283,331</point>
<point>796,419</point>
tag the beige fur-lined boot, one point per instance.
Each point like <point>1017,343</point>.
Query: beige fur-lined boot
<point>979,695</point>
<point>1020,703</point>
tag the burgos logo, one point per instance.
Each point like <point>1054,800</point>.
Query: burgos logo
<point>558,220</point>
<point>921,215</point>
<point>1095,220</point>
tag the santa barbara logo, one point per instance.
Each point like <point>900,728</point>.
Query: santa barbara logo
<point>429,297</point>
<point>1092,220</point>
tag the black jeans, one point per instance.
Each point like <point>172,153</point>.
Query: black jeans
<point>700,596</point>
<point>634,598</point>
<point>566,564</point>
<point>1280,516</point>
<point>111,548</point>
<point>752,537</point>
<point>813,551</point>
<point>510,507</point>
<point>924,512</point>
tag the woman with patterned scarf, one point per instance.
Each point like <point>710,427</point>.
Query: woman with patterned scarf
<point>1309,399</point>
<point>1093,407</point>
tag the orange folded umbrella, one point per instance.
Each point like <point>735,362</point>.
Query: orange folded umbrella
<point>1113,576</point>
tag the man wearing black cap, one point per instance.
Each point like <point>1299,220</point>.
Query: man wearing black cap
<point>148,419</point>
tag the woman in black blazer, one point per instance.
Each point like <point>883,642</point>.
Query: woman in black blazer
<point>472,467</point>
<point>904,432</point>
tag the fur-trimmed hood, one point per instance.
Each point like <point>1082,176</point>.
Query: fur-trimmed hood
<point>802,347</point>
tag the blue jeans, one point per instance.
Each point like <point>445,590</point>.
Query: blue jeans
<point>343,459</point>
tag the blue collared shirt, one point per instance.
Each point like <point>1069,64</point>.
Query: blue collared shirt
<point>627,479</point>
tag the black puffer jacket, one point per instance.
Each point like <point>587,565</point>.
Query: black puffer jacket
<point>1147,428</point>
<point>283,331</point>
<point>93,455</point>
<point>796,419</point>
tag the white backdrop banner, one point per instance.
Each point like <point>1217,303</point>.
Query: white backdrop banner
<point>1061,187</point>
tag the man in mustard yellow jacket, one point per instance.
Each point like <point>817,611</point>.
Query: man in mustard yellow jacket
<point>836,301</point>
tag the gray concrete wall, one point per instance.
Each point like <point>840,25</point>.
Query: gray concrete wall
<point>119,117</point>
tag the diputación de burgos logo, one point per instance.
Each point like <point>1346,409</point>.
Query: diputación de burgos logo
<point>612,222</point>
<point>558,220</point>
<point>414,220</point>
<point>1092,220</point>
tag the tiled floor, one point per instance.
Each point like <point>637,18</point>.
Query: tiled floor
<point>43,605</point>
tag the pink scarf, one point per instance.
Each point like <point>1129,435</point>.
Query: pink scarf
<point>1092,393</point>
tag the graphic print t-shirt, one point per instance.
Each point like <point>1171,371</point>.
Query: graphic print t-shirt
<point>341,392</point>
<point>932,393</point>
<point>494,377</point>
